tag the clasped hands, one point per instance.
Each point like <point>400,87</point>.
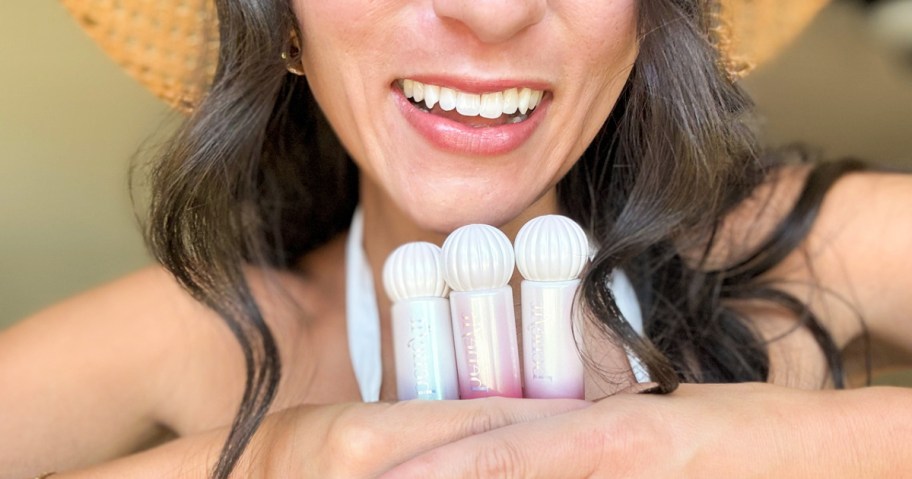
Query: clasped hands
<point>737,430</point>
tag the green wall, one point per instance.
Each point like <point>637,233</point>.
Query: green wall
<point>70,121</point>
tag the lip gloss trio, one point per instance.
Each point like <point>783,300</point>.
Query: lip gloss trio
<point>454,329</point>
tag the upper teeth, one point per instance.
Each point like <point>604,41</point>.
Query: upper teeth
<point>487,105</point>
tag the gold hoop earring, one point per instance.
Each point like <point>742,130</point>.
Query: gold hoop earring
<point>292,55</point>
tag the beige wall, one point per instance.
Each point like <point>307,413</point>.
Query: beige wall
<point>840,89</point>
<point>70,122</point>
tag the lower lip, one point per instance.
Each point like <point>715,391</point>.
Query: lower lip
<point>449,135</point>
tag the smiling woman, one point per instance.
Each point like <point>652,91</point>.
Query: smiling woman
<point>455,153</point>
<point>330,133</point>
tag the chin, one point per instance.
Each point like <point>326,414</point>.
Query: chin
<point>438,202</point>
<point>443,215</point>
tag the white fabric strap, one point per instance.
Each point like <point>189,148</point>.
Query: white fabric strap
<point>362,316</point>
<point>627,303</point>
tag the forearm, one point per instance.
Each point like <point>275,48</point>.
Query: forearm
<point>832,434</point>
<point>874,443</point>
<point>759,431</point>
<point>195,456</point>
<point>844,434</point>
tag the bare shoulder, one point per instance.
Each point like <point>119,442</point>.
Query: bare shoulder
<point>79,373</point>
<point>853,268</point>
<point>860,250</point>
<point>103,373</point>
<point>854,265</point>
<point>139,314</point>
<point>109,320</point>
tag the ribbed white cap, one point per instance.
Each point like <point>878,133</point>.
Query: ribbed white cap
<point>414,270</point>
<point>551,248</point>
<point>477,257</point>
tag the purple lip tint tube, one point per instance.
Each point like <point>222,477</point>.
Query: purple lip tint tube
<point>551,252</point>
<point>478,261</point>
<point>422,330</point>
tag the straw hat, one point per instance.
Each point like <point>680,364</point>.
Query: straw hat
<point>162,47</point>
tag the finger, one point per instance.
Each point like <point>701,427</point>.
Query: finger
<point>405,429</point>
<point>564,446</point>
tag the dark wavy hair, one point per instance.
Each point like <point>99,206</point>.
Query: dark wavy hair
<point>255,175</point>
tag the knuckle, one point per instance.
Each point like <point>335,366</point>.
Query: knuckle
<point>487,416</point>
<point>478,422</point>
<point>502,460</point>
<point>353,439</point>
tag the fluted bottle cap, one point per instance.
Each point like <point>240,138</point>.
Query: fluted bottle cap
<point>551,248</point>
<point>477,257</point>
<point>414,270</point>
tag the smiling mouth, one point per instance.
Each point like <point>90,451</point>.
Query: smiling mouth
<point>513,105</point>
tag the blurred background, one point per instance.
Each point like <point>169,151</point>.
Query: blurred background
<point>71,123</point>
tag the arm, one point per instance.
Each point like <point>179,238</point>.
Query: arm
<point>342,440</point>
<point>853,268</point>
<point>113,371</point>
<point>94,378</point>
<point>861,250</point>
<point>738,430</point>
<point>79,382</point>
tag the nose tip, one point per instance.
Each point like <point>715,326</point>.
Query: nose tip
<point>492,21</point>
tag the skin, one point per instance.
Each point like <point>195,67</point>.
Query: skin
<point>178,371</point>
<point>554,43</point>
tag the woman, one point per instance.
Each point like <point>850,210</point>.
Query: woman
<point>745,270</point>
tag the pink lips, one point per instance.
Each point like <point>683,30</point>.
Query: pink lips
<point>453,136</point>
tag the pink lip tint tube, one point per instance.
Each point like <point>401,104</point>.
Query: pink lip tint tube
<point>478,263</point>
<point>551,252</point>
<point>422,330</point>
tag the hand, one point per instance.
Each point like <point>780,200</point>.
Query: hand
<point>363,440</point>
<point>739,430</point>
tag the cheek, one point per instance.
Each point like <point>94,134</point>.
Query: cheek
<point>346,28</point>
<point>340,44</point>
<point>322,36</point>
<point>606,29</point>
<point>606,35</point>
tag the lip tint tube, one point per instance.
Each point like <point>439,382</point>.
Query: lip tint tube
<point>478,263</point>
<point>551,252</point>
<point>422,330</point>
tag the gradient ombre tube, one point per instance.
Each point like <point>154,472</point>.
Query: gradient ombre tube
<point>478,263</point>
<point>422,330</point>
<point>551,252</point>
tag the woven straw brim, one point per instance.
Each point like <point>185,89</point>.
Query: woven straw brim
<point>165,43</point>
<point>751,32</point>
<point>169,46</point>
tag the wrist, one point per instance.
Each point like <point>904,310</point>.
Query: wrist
<point>875,423</point>
<point>292,439</point>
<point>274,448</point>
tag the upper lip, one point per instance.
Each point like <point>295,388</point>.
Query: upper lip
<point>476,84</point>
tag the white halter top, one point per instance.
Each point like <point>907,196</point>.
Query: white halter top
<point>363,318</point>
